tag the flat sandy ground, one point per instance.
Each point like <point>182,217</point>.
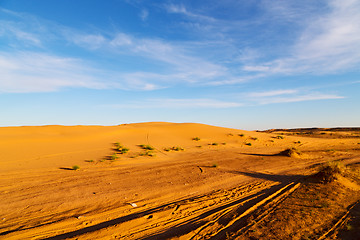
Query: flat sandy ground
<point>197,182</point>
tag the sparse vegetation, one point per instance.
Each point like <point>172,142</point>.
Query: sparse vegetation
<point>121,149</point>
<point>114,157</point>
<point>224,143</point>
<point>330,171</point>
<point>279,137</point>
<point>241,135</point>
<point>75,167</point>
<point>177,149</point>
<point>90,161</point>
<point>248,144</point>
<point>214,144</point>
<point>148,153</point>
<point>290,152</point>
<point>196,139</point>
<point>214,165</point>
<point>230,134</point>
<point>147,147</point>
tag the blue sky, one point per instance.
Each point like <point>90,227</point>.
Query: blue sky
<point>243,64</point>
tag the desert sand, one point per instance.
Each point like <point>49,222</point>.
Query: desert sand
<point>173,181</point>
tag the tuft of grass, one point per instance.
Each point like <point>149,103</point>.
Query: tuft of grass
<point>148,153</point>
<point>90,161</point>
<point>214,144</point>
<point>329,172</point>
<point>241,135</point>
<point>121,149</point>
<point>248,144</point>
<point>290,152</point>
<point>349,227</point>
<point>230,134</point>
<point>279,137</point>
<point>75,167</point>
<point>177,149</point>
<point>147,147</point>
<point>114,157</point>
<point>196,139</point>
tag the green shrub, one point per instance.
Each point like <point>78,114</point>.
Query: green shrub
<point>147,147</point>
<point>121,149</point>
<point>177,149</point>
<point>114,157</point>
<point>75,167</point>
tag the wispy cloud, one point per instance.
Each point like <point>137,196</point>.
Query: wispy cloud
<point>144,14</point>
<point>178,103</point>
<point>329,43</point>
<point>287,96</point>
<point>35,72</point>
<point>272,93</point>
<point>301,98</point>
<point>181,9</point>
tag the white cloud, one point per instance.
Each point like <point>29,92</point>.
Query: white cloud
<point>272,93</point>
<point>178,103</point>
<point>13,30</point>
<point>120,40</point>
<point>91,41</point>
<point>330,43</point>
<point>181,9</point>
<point>37,72</point>
<point>144,14</point>
<point>300,98</point>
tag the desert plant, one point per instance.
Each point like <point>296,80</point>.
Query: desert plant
<point>279,137</point>
<point>114,157</point>
<point>147,147</point>
<point>121,149</point>
<point>75,167</point>
<point>248,144</point>
<point>214,144</point>
<point>177,149</point>
<point>214,165</point>
<point>330,171</point>
<point>241,135</point>
<point>290,152</point>
<point>196,139</point>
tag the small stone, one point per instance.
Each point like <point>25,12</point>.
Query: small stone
<point>133,204</point>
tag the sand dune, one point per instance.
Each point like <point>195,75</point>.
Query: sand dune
<point>214,167</point>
